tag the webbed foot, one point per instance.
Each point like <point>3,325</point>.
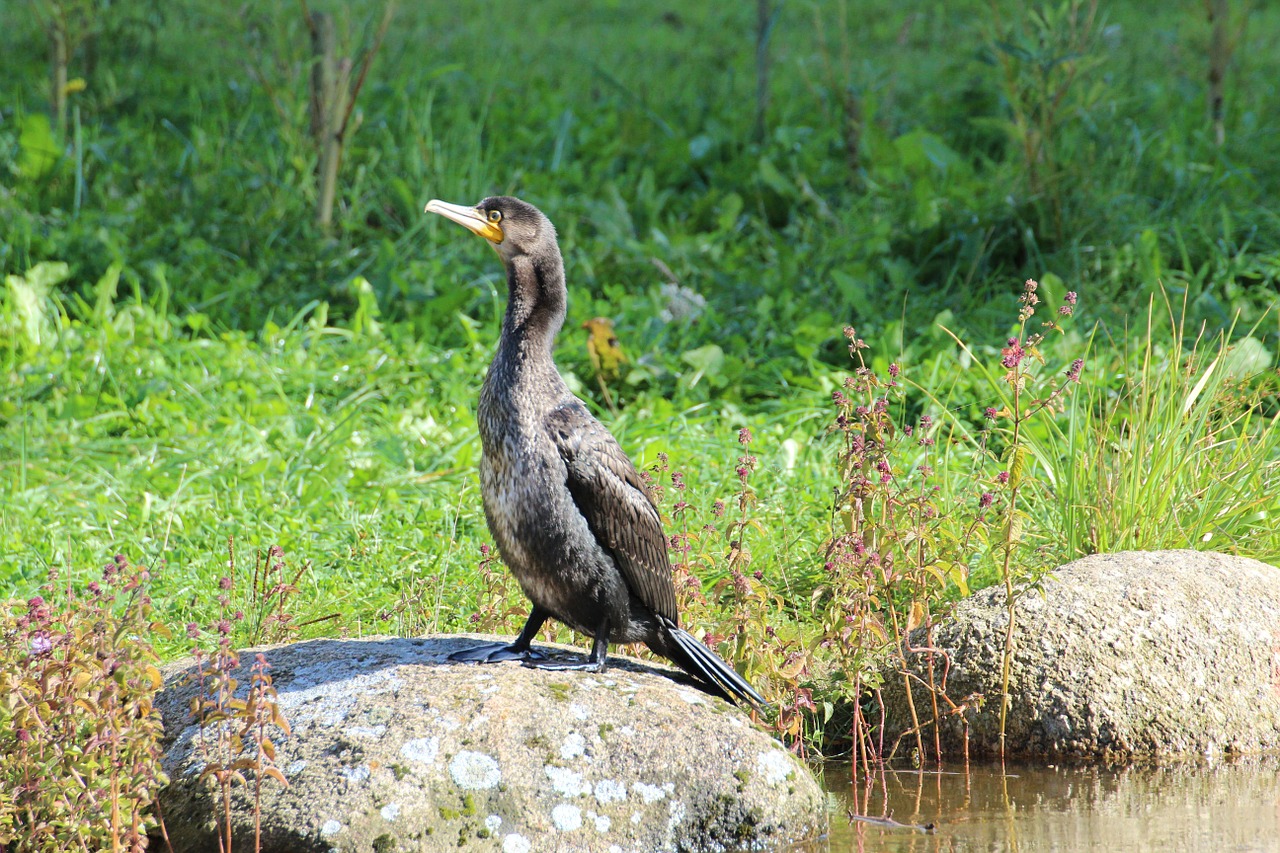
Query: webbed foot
<point>497,653</point>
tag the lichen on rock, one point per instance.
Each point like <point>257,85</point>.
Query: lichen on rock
<point>1136,655</point>
<point>392,748</point>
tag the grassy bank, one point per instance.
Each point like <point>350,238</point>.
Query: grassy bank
<point>196,372</point>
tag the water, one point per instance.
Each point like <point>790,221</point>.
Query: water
<point>1182,809</point>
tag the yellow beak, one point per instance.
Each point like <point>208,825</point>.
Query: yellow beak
<point>471,218</point>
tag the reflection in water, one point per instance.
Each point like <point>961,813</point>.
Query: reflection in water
<point>1194,807</point>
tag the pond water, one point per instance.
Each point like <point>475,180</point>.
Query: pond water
<point>1184,808</point>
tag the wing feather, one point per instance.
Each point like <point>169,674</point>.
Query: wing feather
<point>609,493</point>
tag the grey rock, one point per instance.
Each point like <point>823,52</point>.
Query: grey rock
<point>1136,655</point>
<point>392,749</point>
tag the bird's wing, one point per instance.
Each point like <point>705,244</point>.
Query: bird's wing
<point>611,496</point>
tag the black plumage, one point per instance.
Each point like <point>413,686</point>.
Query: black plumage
<point>567,508</point>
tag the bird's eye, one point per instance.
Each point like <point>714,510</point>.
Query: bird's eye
<point>495,216</point>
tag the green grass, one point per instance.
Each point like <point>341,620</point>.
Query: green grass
<point>212,367</point>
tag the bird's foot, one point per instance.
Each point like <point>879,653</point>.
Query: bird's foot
<point>577,665</point>
<point>496,653</point>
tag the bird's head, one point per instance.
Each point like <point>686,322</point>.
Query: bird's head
<point>511,226</point>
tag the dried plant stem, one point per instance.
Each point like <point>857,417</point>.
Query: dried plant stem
<point>1219,54</point>
<point>906,681</point>
<point>58,71</point>
<point>333,98</point>
<point>1006,567</point>
<point>766,17</point>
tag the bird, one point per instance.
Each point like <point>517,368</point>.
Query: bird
<point>569,512</point>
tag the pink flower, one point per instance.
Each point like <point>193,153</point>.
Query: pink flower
<point>1011,356</point>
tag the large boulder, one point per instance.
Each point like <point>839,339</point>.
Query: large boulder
<point>1129,655</point>
<point>393,749</point>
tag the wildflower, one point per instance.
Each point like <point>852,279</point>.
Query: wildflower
<point>894,370</point>
<point>1071,297</point>
<point>986,500</point>
<point>839,398</point>
<point>744,436</point>
<point>484,550</point>
<point>925,470</point>
<point>1073,372</point>
<point>224,583</point>
<point>677,480</point>
<point>989,413</point>
<point>193,630</point>
<point>1011,356</point>
<point>224,627</point>
<point>41,644</point>
<point>1002,477</point>
<point>717,509</point>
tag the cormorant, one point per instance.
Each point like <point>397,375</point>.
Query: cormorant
<point>567,508</point>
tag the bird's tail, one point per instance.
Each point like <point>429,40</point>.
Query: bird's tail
<point>686,652</point>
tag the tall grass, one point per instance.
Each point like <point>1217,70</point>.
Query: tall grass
<point>1181,450</point>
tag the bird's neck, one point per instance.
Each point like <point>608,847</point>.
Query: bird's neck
<point>535,310</point>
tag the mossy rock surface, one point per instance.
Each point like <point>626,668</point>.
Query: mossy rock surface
<point>1135,655</point>
<point>393,749</point>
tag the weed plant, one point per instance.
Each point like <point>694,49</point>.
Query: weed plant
<point>79,736</point>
